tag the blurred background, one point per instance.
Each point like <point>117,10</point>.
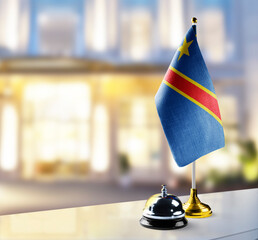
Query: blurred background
<point>78,123</point>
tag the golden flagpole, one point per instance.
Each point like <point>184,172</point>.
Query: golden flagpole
<point>194,208</point>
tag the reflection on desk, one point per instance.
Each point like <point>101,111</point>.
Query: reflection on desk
<point>235,216</point>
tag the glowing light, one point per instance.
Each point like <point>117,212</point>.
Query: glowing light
<point>99,30</point>
<point>176,31</point>
<point>100,158</point>
<point>12,15</point>
<point>9,138</point>
<point>135,145</point>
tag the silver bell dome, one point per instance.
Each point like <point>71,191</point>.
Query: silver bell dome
<point>163,211</point>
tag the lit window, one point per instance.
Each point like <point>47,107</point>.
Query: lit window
<point>56,131</point>
<point>9,133</point>
<point>100,158</point>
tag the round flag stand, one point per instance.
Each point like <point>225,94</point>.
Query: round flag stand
<point>194,208</point>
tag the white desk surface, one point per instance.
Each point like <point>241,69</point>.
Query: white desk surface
<point>235,216</point>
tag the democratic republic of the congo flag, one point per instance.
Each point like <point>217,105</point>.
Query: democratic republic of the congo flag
<point>187,105</point>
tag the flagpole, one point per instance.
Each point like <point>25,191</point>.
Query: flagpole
<point>193,176</point>
<point>194,208</point>
<point>194,23</point>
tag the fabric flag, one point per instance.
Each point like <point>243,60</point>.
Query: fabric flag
<point>187,105</point>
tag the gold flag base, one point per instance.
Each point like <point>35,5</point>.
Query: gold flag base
<point>194,208</point>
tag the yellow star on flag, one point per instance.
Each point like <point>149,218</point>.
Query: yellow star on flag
<point>184,48</point>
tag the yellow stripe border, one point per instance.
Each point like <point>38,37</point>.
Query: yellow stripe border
<point>194,101</point>
<point>193,82</point>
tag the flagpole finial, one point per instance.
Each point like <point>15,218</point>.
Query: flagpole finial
<point>194,20</point>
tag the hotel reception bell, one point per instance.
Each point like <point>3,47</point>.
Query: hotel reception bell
<point>163,211</point>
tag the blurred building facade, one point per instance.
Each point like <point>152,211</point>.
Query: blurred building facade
<point>78,79</point>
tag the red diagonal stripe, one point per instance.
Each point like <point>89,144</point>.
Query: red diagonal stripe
<point>193,91</point>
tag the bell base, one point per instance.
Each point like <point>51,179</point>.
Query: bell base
<point>194,208</point>
<point>163,224</point>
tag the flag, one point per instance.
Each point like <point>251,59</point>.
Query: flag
<point>187,105</point>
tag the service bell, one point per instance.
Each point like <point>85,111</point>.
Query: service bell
<point>163,211</point>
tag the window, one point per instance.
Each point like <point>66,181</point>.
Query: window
<point>56,131</point>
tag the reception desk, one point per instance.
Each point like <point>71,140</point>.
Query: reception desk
<point>235,216</point>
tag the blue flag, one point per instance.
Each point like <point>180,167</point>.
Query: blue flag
<point>187,105</point>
